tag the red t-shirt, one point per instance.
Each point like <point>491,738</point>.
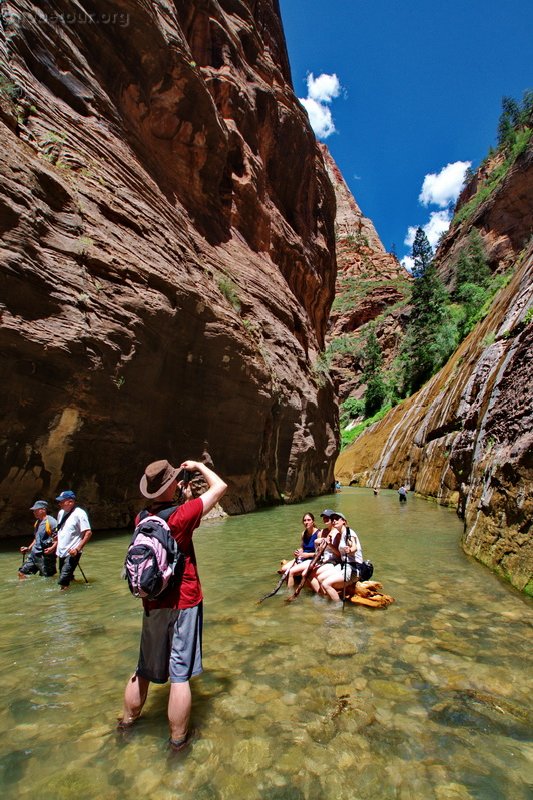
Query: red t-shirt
<point>188,592</point>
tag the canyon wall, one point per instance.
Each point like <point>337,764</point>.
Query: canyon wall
<point>167,256</point>
<point>372,286</point>
<point>466,438</point>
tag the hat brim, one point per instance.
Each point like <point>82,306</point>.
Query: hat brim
<point>143,486</point>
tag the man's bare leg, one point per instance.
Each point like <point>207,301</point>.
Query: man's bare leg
<point>179,711</point>
<point>134,700</point>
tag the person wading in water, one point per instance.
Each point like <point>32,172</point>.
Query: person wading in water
<point>40,554</point>
<point>171,637</point>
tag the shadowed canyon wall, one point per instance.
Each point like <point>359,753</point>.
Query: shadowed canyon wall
<point>466,438</point>
<point>167,256</point>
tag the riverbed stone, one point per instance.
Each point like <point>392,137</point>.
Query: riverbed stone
<point>341,647</point>
<point>231,707</point>
<point>452,791</point>
<point>321,730</point>
<point>237,785</point>
<point>391,690</point>
<point>252,756</point>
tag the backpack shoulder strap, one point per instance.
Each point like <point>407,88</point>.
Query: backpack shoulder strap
<point>166,513</point>
<point>64,519</point>
<point>163,513</point>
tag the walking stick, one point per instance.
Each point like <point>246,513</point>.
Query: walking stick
<point>280,584</point>
<point>314,561</point>
<point>344,583</point>
<point>82,572</point>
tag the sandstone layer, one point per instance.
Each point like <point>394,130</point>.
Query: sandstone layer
<point>167,256</point>
<point>370,284</point>
<point>466,438</point>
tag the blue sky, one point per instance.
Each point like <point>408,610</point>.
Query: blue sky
<point>418,87</point>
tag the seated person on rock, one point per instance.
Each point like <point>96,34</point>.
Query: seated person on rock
<point>331,555</point>
<point>302,557</point>
<point>347,570</point>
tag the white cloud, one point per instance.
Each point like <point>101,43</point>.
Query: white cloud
<point>443,188</point>
<point>324,88</point>
<point>438,189</point>
<point>438,223</point>
<point>408,263</point>
<point>319,117</point>
<point>320,93</point>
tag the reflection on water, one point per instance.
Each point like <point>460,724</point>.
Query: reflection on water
<point>429,698</point>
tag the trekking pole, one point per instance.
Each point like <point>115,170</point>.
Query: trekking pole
<point>82,572</point>
<point>314,561</point>
<point>344,584</point>
<point>278,587</point>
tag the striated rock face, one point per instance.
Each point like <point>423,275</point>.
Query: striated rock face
<point>369,282</point>
<point>504,220</point>
<point>466,438</point>
<point>167,256</point>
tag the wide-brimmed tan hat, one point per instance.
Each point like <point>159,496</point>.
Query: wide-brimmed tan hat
<point>157,477</point>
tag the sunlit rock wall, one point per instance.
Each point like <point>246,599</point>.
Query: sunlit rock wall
<point>371,285</point>
<point>466,437</point>
<point>167,256</point>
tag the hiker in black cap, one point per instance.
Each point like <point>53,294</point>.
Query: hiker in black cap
<point>40,554</point>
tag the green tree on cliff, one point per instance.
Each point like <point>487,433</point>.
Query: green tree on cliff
<point>431,336</point>
<point>472,282</point>
<point>372,375</point>
<point>472,266</point>
<point>515,115</point>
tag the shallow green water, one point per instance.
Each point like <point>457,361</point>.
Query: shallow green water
<point>429,698</point>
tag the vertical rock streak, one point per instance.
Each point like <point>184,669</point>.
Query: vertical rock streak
<point>466,438</point>
<point>168,254</point>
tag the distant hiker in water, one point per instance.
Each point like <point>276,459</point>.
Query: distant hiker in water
<point>40,554</point>
<point>402,494</point>
<point>171,637</point>
<point>73,533</point>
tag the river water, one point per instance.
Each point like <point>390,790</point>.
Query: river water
<point>428,698</point>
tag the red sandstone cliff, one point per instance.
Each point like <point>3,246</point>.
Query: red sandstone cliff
<point>466,438</point>
<point>167,255</point>
<point>370,282</point>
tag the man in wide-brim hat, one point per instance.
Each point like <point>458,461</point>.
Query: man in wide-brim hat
<point>171,638</point>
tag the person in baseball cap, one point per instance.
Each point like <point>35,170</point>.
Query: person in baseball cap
<point>68,495</point>
<point>73,533</point>
<point>39,504</point>
<point>39,557</point>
